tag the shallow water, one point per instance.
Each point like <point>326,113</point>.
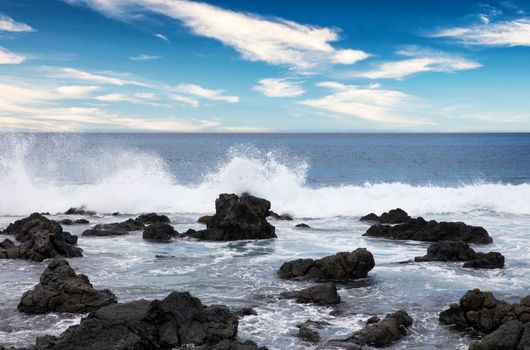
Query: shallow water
<point>242,274</point>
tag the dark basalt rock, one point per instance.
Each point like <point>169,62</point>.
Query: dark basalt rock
<point>115,229</point>
<point>431,231</point>
<point>62,290</point>
<point>178,320</point>
<point>370,217</point>
<point>383,333</point>
<point>41,239</point>
<point>159,232</point>
<point>343,266</point>
<point>204,219</point>
<point>461,251</point>
<point>513,335</point>
<point>237,218</point>
<point>372,320</point>
<point>481,311</point>
<point>322,294</point>
<point>153,218</point>
<point>6,244</point>
<point>276,216</point>
<point>394,216</point>
<point>246,311</point>
<point>72,222</point>
<point>302,225</point>
<point>308,330</point>
<point>79,211</point>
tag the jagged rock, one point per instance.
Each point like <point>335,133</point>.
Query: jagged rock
<point>153,218</point>
<point>79,211</point>
<point>277,216</point>
<point>308,330</point>
<point>41,239</point>
<point>246,311</point>
<point>159,232</point>
<point>431,231</point>
<point>115,229</point>
<point>302,225</point>
<point>179,319</point>
<point>62,290</point>
<point>342,266</point>
<point>370,217</point>
<point>461,251</point>
<point>394,216</point>
<point>322,294</point>
<point>512,335</point>
<point>6,244</point>
<point>237,218</point>
<point>204,219</point>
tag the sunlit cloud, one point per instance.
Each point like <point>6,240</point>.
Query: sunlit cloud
<point>209,94</point>
<point>272,87</point>
<point>8,24</point>
<point>8,57</point>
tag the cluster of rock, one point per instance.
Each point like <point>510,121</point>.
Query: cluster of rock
<point>41,238</point>
<point>394,216</point>
<point>322,294</point>
<point>125,227</point>
<point>461,251</point>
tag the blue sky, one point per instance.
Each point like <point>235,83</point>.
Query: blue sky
<point>256,66</point>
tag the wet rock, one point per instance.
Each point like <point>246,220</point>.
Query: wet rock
<point>232,345</point>
<point>461,251</point>
<point>394,216</point>
<point>62,290</point>
<point>342,266</point>
<point>372,320</point>
<point>277,216</point>
<point>115,229</point>
<point>309,330</point>
<point>431,231</point>
<point>6,244</point>
<point>322,294</point>
<point>237,218</point>
<point>510,336</point>
<point>79,211</point>
<point>159,232</point>
<point>204,219</point>
<point>246,311</point>
<point>153,218</point>
<point>67,222</point>
<point>384,333</point>
<point>76,222</point>
<point>370,217</point>
<point>302,225</point>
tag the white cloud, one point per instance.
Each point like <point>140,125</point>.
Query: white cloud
<point>8,24</point>
<point>274,41</point>
<point>162,37</point>
<point>272,87</point>
<point>100,78</point>
<point>214,95</point>
<point>420,61</point>
<point>76,91</point>
<point>507,33</point>
<point>144,57</point>
<point>8,57</point>
<point>186,100</point>
<point>372,103</point>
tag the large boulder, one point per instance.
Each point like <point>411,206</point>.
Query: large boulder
<point>153,218</point>
<point>62,290</point>
<point>513,335</point>
<point>115,228</point>
<point>394,216</point>
<point>322,294</point>
<point>178,320</point>
<point>343,266</point>
<point>461,251</point>
<point>237,218</point>
<point>41,238</point>
<point>159,232</point>
<point>431,231</point>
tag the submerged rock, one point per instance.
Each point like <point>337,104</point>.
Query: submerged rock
<point>322,294</point>
<point>76,222</point>
<point>461,251</point>
<point>309,330</point>
<point>302,225</point>
<point>277,216</point>
<point>383,333</point>
<point>394,216</point>
<point>153,218</point>
<point>431,231</point>
<point>62,290</point>
<point>115,229</point>
<point>246,311</point>
<point>41,238</point>
<point>237,218</point>
<point>342,266</point>
<point>159,232</point>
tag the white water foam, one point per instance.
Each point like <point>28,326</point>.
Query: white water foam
<point>111,178</point>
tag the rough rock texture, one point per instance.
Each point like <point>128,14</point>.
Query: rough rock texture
<point>115,229</point>
<point>179,319</point>
<point>322,294</point>
<point>431,231</point>
<point>41,239</point>
<point>159,232</point>
<point>481,311</point>
<point>79,211</point>
<point>246,311</point>
<point>277,216</point>
<point>308,330</point>
<point>61,290</point>
<point>153,218</point>
<point>76,222</point>
<point>461,251</point>
<point>513,335</point>
<point>237,218</point>
<point>204,219</point>
<point>394,216</point>
<point>342,266</point>
<point>302,225</point>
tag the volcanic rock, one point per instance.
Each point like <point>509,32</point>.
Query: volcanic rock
<point>322,294</point>
<point>461,251</point>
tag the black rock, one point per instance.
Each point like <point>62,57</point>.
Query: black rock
<point>6,244</point>
<point>394,216</point>
<point>431,231</point>
<point>383,333</point>
<point>308,330</point>
<point>302,225</point>
<point>372,320</point>
<point>343,266</point>
<point>79,211</point>
<point>461,251</point>
<point>510,336</point>
<point>277,216</point>
<point>81,222</point>
<point>322,294</point>
<point>204,219</point>
<point>232,345</point>
<point>62,290</point>
<point>115,229</point>
<point>246,311</point>
<point>237,218</point>
<point>491,260</point>
<point>67,222</point>
<point>370,217</point>
<point>159,232</point>
<point>153,218</point>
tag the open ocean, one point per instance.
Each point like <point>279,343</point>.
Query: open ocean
<point>325,180</point>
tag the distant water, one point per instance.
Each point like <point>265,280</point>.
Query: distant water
<point>325,180</point>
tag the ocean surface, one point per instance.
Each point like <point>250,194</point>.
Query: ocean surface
<point>325,180</point>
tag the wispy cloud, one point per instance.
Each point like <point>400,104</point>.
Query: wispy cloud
<point>275,41</point>
<point>99,78</point>
<point>209,94</point>
<point>8,24</point>
<point>162,37</point>
<point>274,87</point>
<point>76,91</point>
<point>186,100</point>
<point>420,61</point>
<point>8,57</point>
<point>144,57</point>
<point>502,33</point>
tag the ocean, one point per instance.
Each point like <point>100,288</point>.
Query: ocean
<point>325,180</point>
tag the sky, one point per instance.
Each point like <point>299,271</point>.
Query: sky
<point>265,66</point>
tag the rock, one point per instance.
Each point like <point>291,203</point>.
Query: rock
<point>61,290</point>
<point>431,231</point>
<point>41,239</point>
<point>67,222</point>
<point>302,225</point>
<point>509,336</point>
<point>246,311</point>
<point>153,218</point>
<point>72,222</point>
<point>237,218</point>
<point>308,330</point>
<point>391,329</point>
<point>81,222</point>
<point>461,251</point>
<point>6,244</point>
<point>159,232</point>
<point>394,216</point>
<point>115,229</point>
<point>79,211</point>
<point>372,320</point>
<point>277,216</point>
<point>322,294</point>
<point>343,266</point>
<point>179,319</point>
<point>204,219</point>
<point>370,217</point>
